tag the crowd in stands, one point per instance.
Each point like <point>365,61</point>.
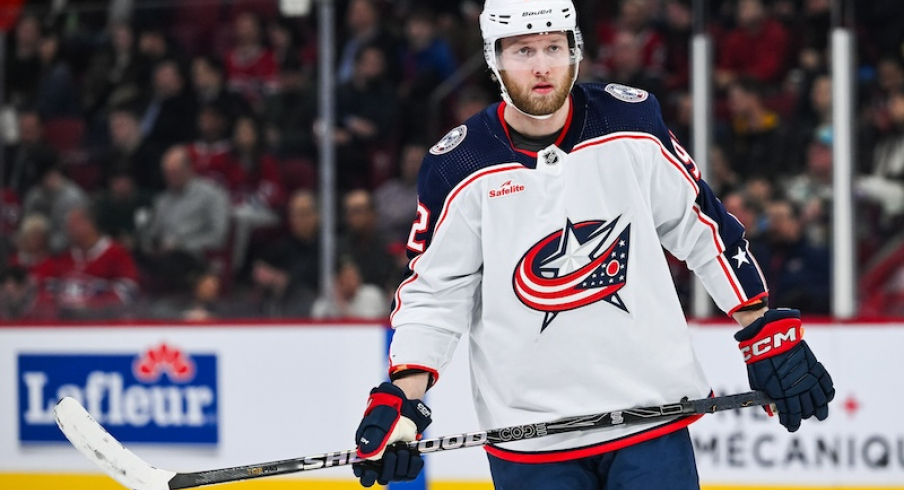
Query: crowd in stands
<point>160,158</point>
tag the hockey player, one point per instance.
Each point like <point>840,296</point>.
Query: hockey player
<point>539,235</point>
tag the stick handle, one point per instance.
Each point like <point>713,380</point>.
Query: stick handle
<point>449,442</point>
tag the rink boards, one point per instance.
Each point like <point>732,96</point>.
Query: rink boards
<point>250,392</point>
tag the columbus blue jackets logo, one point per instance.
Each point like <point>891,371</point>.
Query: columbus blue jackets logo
<point>581,264</point>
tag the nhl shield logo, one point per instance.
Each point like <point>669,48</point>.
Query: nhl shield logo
<point>450,140</point>
<point>626,93</point>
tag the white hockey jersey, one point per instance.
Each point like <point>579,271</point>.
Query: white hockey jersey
<point>552,264</point>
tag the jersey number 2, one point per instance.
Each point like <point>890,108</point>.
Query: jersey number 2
<point>419,226</point>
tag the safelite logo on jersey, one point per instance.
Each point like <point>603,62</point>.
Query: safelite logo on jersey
<point>162,395</point>
<point>507,188</point>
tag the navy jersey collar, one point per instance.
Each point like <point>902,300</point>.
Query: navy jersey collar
<point>568,138</point>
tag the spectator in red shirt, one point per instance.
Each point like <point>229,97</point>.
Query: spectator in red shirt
<point>210,151</point>
<point>250,173</point>
<point>758,47</point>
<point>10,212</point>
<point>251,68</point>
<point>97,276</point>
<point>254,182</point>
<point>633,18</point>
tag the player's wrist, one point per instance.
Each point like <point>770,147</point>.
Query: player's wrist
<point>410,407</point>
<point>746,316</point>
<point>414,384</point>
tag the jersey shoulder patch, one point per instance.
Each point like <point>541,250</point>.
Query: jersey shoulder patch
<point>479,143</point>
<point>626,93</point>
<point>451,140</point>
<point>609,110</point>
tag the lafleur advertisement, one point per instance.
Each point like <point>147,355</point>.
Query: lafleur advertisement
<point>162,395</point>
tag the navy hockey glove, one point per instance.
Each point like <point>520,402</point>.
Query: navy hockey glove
<point>390,421</point>
<point>780,363</point>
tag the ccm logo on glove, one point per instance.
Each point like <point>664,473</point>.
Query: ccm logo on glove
<point>780,363</point>
<point>775,338</point>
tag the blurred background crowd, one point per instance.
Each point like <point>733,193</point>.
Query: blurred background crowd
<point>160,156</point>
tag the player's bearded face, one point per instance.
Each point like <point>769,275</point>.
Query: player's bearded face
<point>537,72</point>
<point>525,97</point>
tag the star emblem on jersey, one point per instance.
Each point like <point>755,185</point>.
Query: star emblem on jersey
<point>741,257</point>
<point>578,265</point>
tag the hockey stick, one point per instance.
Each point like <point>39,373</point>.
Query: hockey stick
<point>99,446</point>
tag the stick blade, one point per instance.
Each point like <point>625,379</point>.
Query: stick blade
<point>92,440</point>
